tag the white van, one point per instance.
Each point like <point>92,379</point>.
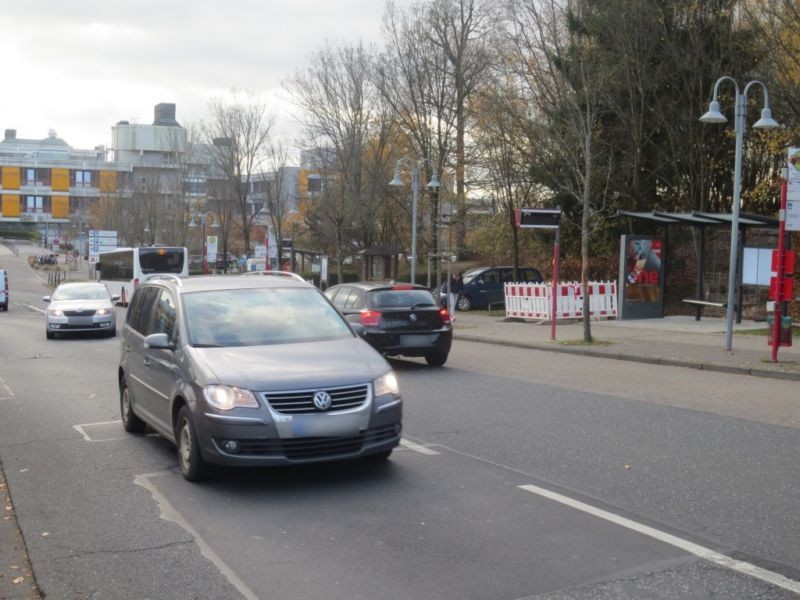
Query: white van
<point>3,289</point>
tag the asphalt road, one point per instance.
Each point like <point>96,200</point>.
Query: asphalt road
<point>525,474</point>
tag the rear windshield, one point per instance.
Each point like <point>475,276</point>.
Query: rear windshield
<point>263,316</point>
<point>161,260</point>
<point>400,298</point>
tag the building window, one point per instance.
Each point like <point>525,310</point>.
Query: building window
<point>83,178</point>
<point>314,184</point>
<point>36,176</point>
<point>34,204</point>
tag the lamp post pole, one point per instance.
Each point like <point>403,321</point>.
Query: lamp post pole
<point>414,203</point>
<point>765,122</point>
<point>397,182</point>
<point>205,247</point>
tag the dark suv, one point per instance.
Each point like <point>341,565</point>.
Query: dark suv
<point>484,285</point>
<point>396,319</point>
<point>254,369</point>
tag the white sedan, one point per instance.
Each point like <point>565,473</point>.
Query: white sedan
<point>83,306</point>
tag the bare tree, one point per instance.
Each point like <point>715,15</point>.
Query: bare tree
<point>278,199</point>
<point>239,130</point>
<point>565,85</point>
<point>348,129</point>
<point>459,29</point>
<point>413,77</point>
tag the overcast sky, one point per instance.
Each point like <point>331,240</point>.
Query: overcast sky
<point>79,66</point>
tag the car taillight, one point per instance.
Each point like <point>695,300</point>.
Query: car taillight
<point>370,318</point>
<point>445,316</point>
<point>403,286</point>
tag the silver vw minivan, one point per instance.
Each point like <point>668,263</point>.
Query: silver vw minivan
<point>256,369</point>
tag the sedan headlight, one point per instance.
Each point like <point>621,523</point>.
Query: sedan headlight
<point>56,313</point>
<point>102,311</point>
<point>228,397</point>
<point>386,384</point>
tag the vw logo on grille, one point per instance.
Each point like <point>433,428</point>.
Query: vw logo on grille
<point>322,400</point>
<point>412,317</point>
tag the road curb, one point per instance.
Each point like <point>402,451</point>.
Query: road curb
<point>669,362</point>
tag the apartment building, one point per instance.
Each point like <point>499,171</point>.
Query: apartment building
<point>46,185</point>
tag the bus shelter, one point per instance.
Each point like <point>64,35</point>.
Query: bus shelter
<point>702,221</point>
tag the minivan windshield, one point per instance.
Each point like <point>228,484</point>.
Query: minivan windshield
<point>261,316</point>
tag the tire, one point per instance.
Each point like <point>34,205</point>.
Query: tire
<point>190,460</point>
<point>50,335</point>
<point>436,360</point>
<point>463,303</point>
<point>113,332</point>
<point>378,457</point>
<point>130,421</point>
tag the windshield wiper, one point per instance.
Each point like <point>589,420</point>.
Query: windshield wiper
<point>422,304</point>
<point>207,346</point>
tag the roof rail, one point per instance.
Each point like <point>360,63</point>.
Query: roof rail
<point>294,276</point>
<point>172,276</point>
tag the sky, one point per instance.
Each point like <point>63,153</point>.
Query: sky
<point>79,66</point>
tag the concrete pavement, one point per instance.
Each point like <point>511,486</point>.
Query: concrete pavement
<point>675,341</point>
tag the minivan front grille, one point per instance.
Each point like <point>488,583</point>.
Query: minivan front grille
<point>302,401</point>
<point>79,313</point>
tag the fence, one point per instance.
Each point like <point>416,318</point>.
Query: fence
<point>535,300</point>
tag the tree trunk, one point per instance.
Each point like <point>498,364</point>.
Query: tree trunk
<point>587,192</point>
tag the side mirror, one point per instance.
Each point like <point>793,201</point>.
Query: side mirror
<point>158,341</point>
<point>45,298</point>
<point>115,298</point>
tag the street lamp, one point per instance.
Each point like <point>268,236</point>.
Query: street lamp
<point>433,184</point>
<point>202,217</point>
<point>765,122</point>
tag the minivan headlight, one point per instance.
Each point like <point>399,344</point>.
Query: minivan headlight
<point>386,384</point>
<point>56,313</point>
<point>102,311</point>
<point>228,397</point>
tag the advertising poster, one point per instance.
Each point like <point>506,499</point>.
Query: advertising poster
<point>643,270</point>
<point>641,277</point>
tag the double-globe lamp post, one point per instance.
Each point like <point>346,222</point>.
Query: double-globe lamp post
<point>765,122</point>
<point>433,184</point>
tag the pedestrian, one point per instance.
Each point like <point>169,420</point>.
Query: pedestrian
<point>454,287</point>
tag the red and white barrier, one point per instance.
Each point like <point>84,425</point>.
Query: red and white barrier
<point>535,300</point>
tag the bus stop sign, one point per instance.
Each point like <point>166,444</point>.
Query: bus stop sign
<point>537,218</point>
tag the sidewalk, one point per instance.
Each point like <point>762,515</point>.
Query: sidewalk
<point>676,341</point>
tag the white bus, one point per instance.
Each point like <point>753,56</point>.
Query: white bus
<point>125,268</point>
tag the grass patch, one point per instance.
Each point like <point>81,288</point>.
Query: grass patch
<point>763,332</point>
<point>583,343</point>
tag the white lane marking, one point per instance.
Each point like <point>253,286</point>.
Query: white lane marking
<point>79,429</point>
<point>722,560</point>
<point>169,513</point>
<point>9,393</point>
<point>417,448</point>
<point>36,308</point>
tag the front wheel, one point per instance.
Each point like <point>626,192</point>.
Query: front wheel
<point>190,459</point>
<point>50,335</point>
<point>436,360</point>
<point>130,422</point>
<point>463,303</point>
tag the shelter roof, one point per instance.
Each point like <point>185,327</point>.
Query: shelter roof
<point>699,219</point>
